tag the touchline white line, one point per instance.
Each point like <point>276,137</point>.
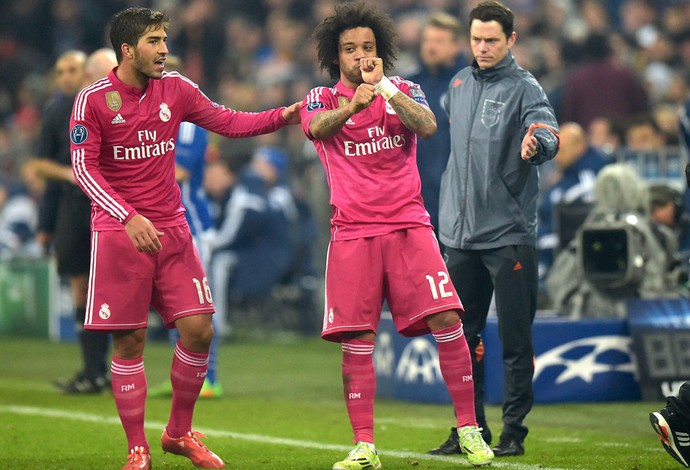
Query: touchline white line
<point>114,420</point>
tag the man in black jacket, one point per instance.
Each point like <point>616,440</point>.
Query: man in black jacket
<point>65,213</point>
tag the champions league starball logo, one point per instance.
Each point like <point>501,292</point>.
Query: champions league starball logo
<point>586,358</point>
<point>600,367</point>
<point>384,355</point>
<point>418,362</point>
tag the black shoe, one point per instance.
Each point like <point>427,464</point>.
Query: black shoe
<point>508,447</point>
<point>674,434</point>
<point>452,444</point>
<point>450,447</point>
<point>80,384</point>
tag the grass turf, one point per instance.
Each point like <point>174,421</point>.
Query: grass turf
<point>283,409</point>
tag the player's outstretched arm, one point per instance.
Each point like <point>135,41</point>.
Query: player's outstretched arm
<point>291,113</point>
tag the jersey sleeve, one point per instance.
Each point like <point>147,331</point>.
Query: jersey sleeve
<point>225,121</point>
<point>318,100</point>
<point>85,146</point>
<point>411,89</point>
<point>536,109</point>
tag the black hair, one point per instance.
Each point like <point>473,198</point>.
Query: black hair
<point>597,46</point>
<point>349,16</point>
<point>127,26</point>
<point>494,11</point>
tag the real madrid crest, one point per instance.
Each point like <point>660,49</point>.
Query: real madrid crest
<point>164,113</point>
<point>342,101</point>
<point>113,100</point>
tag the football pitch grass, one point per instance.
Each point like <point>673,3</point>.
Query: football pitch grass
<point>283,409</point>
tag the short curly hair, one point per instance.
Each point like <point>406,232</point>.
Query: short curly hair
<point>349,16</point>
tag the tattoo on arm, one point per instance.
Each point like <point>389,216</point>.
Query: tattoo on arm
<point>419,119</point>
<point>328,123</point>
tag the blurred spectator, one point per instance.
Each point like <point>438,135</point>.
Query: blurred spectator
<point>65,214</point>
<point>602,86</point>
<point>684,129</point>
<point>596,15</point>
<point>68,28</point>
<point>441,56</point>
<point>24,41</point>
<point>286,37</point>
<point>638,20</point>
<point>667,118</point>
<point>645,147</point>
<point>244,39</point>
<point>251,245</point>
<point>666,209</point>
<point>570,194</point>
<point>10,155</point>
<point>657,55</point>
<point>607,134</point>
<point>18,220</point>
<point>271,164</point>
<point>409,28</point>
<point>643,134</point>
<point>200,42</point>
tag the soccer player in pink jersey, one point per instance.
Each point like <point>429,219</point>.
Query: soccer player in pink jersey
<point>123,133</point>
<point>382,244</point>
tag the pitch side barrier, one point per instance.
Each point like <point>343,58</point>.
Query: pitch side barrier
<point>591,360</point>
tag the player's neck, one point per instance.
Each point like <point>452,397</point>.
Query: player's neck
<point>130,76</point>
<point>349,84</point>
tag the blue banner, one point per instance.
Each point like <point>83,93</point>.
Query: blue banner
<point>576,361</point>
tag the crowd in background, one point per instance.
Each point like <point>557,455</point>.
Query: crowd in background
<point>257,55</point>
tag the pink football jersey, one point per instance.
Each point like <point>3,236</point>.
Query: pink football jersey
<point>123,144</point>
<point>370,164</point>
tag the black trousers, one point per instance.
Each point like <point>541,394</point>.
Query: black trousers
<point>510,272</point>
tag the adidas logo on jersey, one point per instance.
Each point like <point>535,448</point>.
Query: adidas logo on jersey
<point>118,119</point>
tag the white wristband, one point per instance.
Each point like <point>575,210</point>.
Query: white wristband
<point>386,88</point>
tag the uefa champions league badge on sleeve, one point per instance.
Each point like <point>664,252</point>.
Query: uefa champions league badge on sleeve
<point>78,134</point>
<point>314,105</point>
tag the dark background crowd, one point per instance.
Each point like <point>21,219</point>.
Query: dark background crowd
<point>257,55</point>
<point>607,65</point>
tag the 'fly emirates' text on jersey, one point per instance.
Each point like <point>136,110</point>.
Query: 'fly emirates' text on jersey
<point>123,144</point>
<point>370,164</point>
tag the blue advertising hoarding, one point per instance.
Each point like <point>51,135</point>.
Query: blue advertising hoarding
<point>576,361</point>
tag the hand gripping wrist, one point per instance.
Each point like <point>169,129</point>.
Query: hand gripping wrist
<point>386,88</point>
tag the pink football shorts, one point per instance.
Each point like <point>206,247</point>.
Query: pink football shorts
<point>404,267</point>
<point>124,284</point>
